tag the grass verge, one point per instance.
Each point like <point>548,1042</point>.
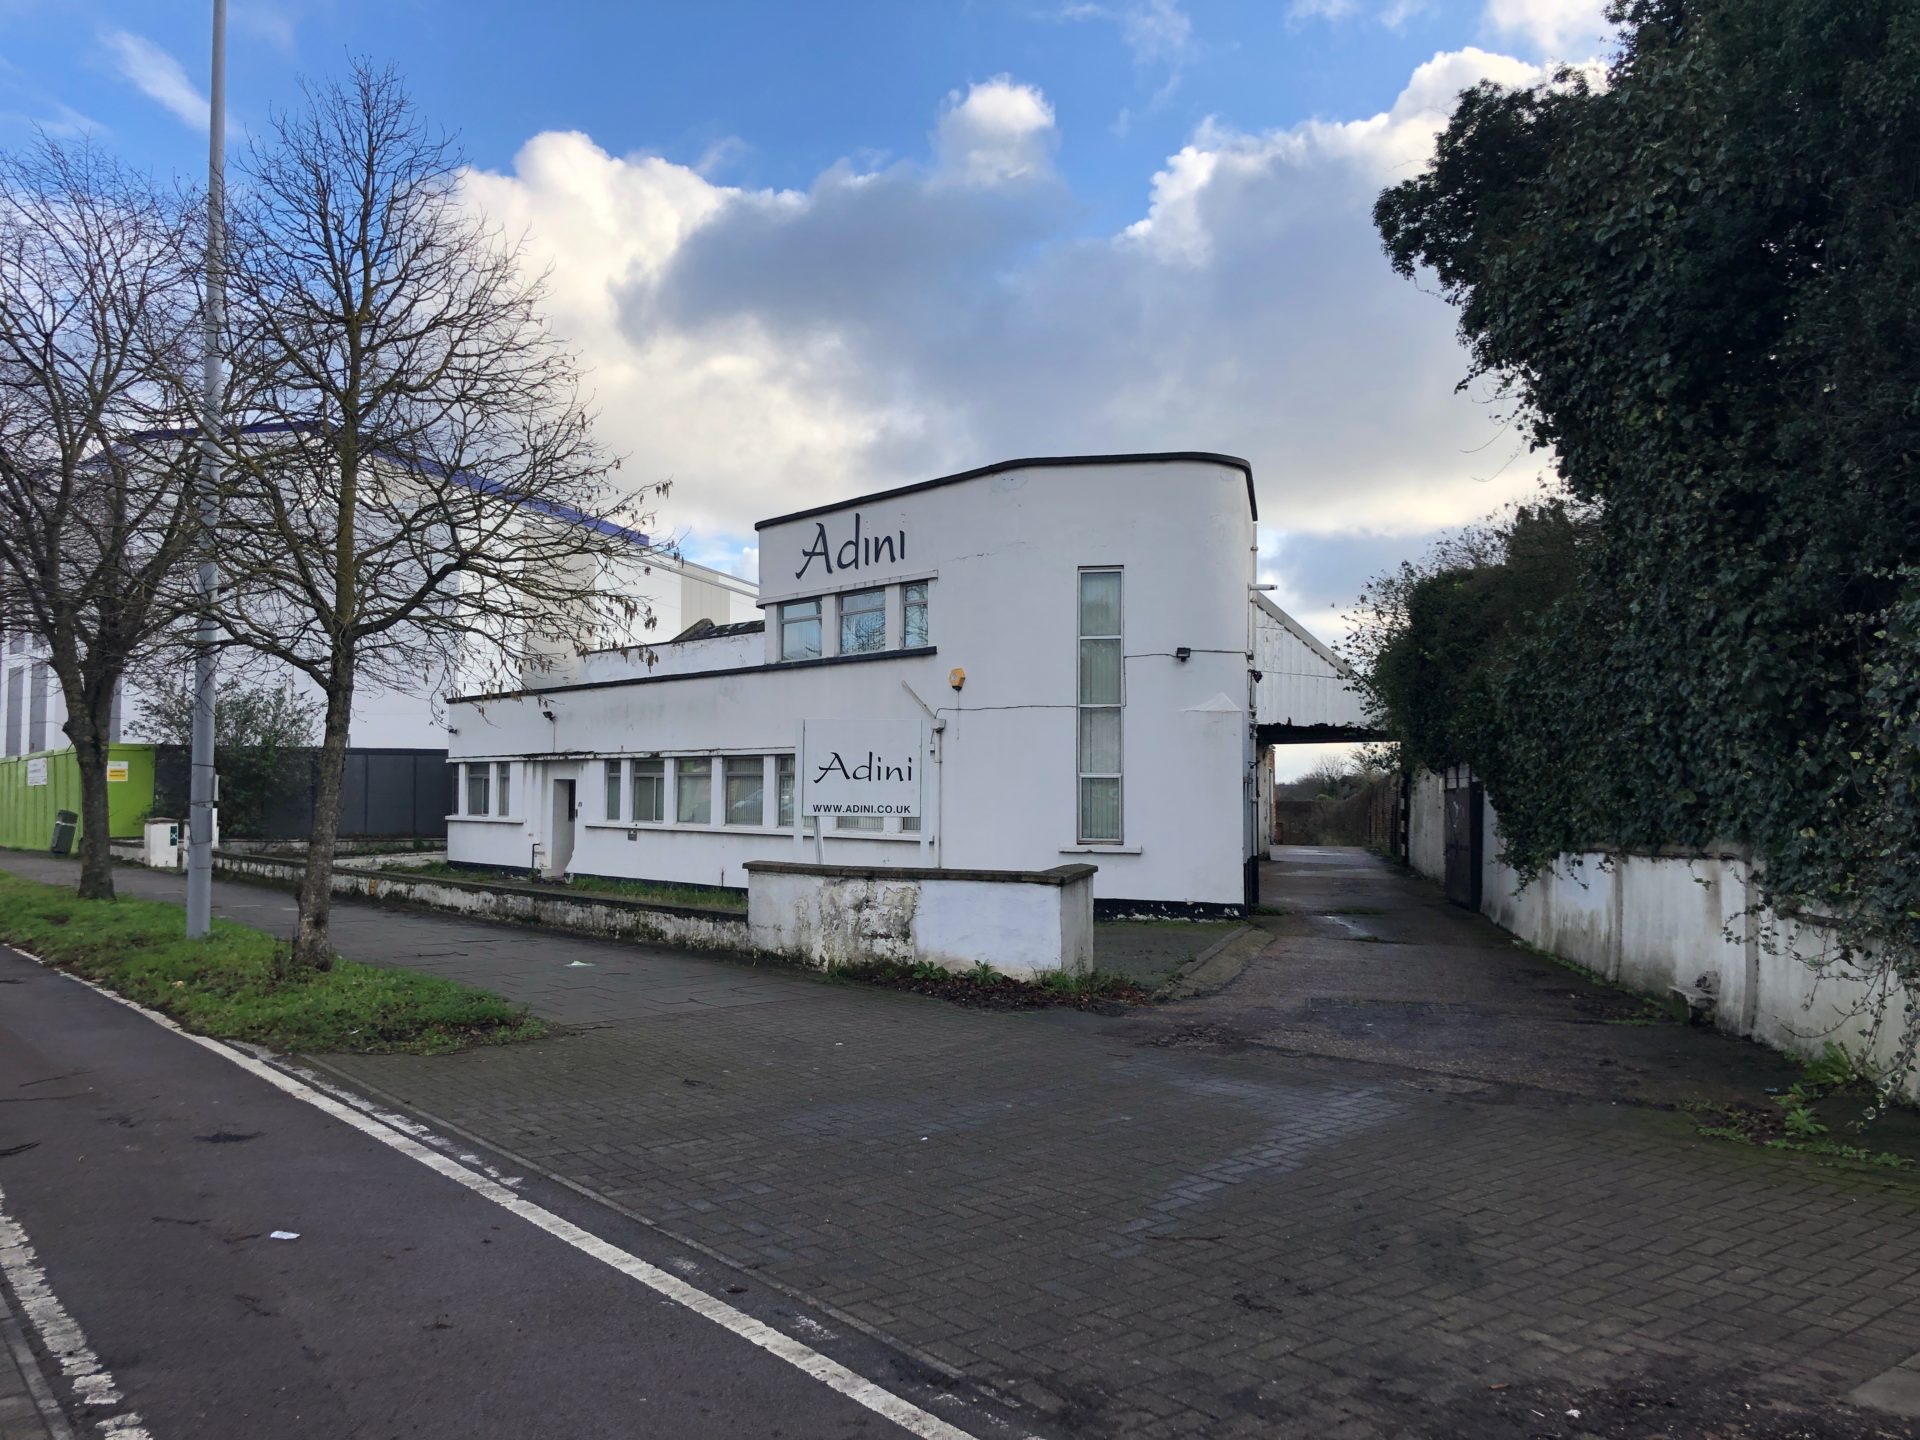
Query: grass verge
<point>985,988</point>
<point>238,983</point>
<point>587,885</point>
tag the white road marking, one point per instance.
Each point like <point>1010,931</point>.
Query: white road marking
<point>60,1333</point>
<point>831,1373</point>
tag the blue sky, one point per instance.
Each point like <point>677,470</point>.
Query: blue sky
<point>809,249</point>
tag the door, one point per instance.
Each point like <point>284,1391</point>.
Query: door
<point>1463,839</point>
<point>560,851</point>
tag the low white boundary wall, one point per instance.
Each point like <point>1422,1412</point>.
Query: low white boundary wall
<point>1024,923</point>
<point>1653,922</point>
<point>694,927</point>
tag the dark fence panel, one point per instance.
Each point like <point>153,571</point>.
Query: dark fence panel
<point>392,794</point>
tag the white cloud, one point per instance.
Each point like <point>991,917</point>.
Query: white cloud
<point>772,349</point>
<point>1321,9</point>
<point>1560,29</point>
<point>157,75</point>
<point>998,131</point>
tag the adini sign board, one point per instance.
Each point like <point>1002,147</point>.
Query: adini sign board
<point>861,767</point>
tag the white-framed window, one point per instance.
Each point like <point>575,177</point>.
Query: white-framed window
<point>783,788</point>
<point>863,622</point>
<point>866,824</point>
<point>649,792</point>
<point>913,615</point>
<point>479,788</point>
<point>909,824</point>
<point>693,790</point>
<point>1102,693</point>
<point>745,780</point>
<point>615,783</point>
<point>503,787</point>
<point>800,630</point>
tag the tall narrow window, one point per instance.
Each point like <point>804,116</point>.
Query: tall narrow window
<point>783,785</point>
<point>913,614</point>
<point>693,790</point>
<point>746,781</point>
<point>37,707</point>
<point>863,622</point>
<point>1102,693</point>
<point>503,777</point>
<point>477,789</point>
<point>613,789</point>
<point>649,792</point>
<point>800,630</point>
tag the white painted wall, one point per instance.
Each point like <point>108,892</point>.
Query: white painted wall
<point>1022,928</point>
<point>1000,554</point>
<point>1651,922</point>
<point>1426,827</point>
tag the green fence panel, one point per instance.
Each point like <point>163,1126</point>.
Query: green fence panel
<point>27,809</point>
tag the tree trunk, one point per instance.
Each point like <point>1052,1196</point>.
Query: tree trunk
<point>312,945</point>
<point>88,726</point>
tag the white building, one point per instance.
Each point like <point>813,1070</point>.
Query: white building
<point>33,709</point>
<point>1076,635</point>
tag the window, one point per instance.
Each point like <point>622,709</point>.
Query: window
<point>693,791</point>
<point>868,823</point>
<point>913,608</point>
<point>783,787</point>
<point>649,792</point>
<point>746,782</point>
<point>37,707</point>
<point>477,787</point>
<point>503,774</point>
<point>910,824</point>
<point>863,622</point>
<point>800,630</point>
<point>614,778</point>
<point>1101,696</point>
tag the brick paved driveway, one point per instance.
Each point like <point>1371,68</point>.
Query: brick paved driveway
<point>1382,1174</point>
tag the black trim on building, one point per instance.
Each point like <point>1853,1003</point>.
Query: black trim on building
<point>1207,457</point>
<point>915,653</point>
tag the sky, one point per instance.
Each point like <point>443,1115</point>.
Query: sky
<point>808,250</point>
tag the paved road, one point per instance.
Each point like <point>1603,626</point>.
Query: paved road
<point>150,1174</point>
<point>1382,1185</point>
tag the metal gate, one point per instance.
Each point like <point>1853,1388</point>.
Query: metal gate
<point>1463,837</point>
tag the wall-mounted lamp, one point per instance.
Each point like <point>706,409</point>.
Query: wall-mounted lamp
<point>1183,653</point>
<point>956,677</point>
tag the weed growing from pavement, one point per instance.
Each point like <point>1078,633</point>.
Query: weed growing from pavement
<point>985,987</point>
<point>1792,1124</point>
<point>602,886</point>
<point>239,983</point>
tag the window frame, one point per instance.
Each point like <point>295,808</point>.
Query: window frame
<point>502,787</point>
<point>907,606</point>
<point>873,602</point>
<point>788,621</point>
<point>654,769</point>
<point>747,764</point>
<point>786,791</point>
<point>1082,707</point>
<point>613,790</point>
<point>481,771</point>
<point>702,764</point>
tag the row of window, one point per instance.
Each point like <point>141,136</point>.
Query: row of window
<point>862,617</point>
<point>679,790</point>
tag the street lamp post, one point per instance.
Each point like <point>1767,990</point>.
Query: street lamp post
<point>205,661</point>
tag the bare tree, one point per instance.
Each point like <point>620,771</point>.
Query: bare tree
<point>98,451</point>
<point>414,488</point>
